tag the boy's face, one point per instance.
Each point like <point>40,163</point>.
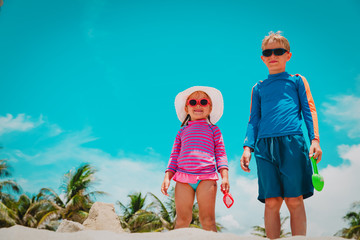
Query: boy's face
<point>276,64</point>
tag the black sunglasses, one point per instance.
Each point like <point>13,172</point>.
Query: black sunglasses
<point>276,51</point>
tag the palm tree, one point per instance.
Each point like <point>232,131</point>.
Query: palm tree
<point>8,184</point>
<point>137,217</point>
<point>260,231</point>
<point>353,217</point>
<point>78,198</point>
<point>33,211</point>
<point>166,212</point>
<point>7,215</point>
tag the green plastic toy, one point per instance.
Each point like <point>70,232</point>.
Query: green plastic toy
<point>317,179</point>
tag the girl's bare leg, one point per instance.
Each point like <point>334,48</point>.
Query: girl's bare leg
<point>184,200</point>
<point>206,196</point>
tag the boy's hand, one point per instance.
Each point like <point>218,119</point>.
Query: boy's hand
<point>315,150</point>
<point>245,159</point>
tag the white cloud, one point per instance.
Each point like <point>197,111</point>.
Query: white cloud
<point>229,221</point>
<point>67,149</point>
<point>20,123</point>
<point>344,114</point>
<point>118,175</point>
<point>54,130</point>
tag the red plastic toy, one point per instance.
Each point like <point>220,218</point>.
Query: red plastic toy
<point>228,200</point>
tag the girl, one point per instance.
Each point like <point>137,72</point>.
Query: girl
<point>197,152</point>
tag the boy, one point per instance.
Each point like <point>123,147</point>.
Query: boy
<point>274,135</point>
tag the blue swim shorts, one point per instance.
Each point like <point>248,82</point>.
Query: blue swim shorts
<point>283,167</point>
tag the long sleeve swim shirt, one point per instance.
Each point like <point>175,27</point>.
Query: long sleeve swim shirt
<point>277,107</point>
<point>198,149</point>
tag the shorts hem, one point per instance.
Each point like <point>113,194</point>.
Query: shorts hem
<point>305,196</point>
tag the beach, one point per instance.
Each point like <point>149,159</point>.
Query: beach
<point>24,233</point>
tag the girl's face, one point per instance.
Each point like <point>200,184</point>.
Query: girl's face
<point>198,111</point>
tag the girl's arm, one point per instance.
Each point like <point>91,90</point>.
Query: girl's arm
<point>166,183</point>
<point>221,159</point>
<point>220,154</point>
<point>172,165</point>
<point>225,186</point>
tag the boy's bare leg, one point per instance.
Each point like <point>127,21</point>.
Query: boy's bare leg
<point>206,196</point>
<point>184,200</point>
<point>272,217</point>
<point>297,215</point>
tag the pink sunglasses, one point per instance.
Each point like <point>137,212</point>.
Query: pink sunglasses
<point>203,102</point>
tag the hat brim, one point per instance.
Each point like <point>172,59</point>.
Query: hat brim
<point>215,96</point>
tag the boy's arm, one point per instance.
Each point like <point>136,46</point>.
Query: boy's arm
<point>252,129</point>
<point>310,117</point>
<point>255,114</point>
<point>245,159</point>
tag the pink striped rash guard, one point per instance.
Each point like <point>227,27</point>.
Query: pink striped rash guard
<point>198,151</point>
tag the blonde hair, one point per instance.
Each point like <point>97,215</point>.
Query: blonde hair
<point>275,37</point>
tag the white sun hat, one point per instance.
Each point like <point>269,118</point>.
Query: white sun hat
<point>216,100</point>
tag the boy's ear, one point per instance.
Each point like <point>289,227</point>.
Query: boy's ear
<point>288,56</point>
<point>186,109</point>
<point>262,58</point>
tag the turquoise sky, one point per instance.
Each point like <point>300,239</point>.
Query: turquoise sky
<point>95,81</point>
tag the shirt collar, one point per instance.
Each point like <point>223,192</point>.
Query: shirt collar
<point>201,122</point>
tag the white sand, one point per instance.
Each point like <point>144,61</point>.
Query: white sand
<point>24,233</point>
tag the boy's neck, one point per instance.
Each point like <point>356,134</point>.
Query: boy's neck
<point>276,72</point>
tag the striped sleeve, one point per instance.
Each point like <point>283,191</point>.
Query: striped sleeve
<point>172,165</point>
<point>220,154</point>
<point>308,109</point>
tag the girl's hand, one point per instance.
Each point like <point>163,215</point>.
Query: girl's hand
<point>165,186</point>
<point>225,186</point>
<point>245,159</point>
<point>315,150</point>
<point>166,183</point>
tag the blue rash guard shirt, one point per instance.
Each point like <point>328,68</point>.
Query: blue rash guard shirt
<point>276,107</point>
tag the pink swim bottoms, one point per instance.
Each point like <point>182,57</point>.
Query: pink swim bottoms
<point>189,178</point>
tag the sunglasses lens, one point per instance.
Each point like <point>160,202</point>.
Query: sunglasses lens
<point>192,102</point>
<point>267,53</point>
<point>204,102</point>
<point>279,51</point>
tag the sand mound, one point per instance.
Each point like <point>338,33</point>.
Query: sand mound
<point>102,216</point>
